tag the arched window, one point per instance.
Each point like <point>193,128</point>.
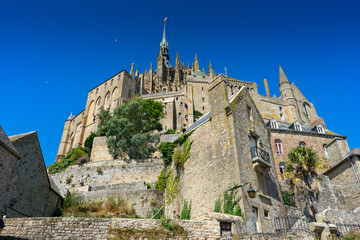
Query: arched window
<point>302,144</point>
<point>325,151</point>
<point>278,146</point>
<point>232,89</point>
<point>320,128</point>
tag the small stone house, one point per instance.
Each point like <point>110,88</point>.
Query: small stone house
<point>31,193</point>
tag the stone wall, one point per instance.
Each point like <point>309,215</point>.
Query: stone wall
<point>9,157</point>
<point>31,193</point>
<point>102,173</point>
<point>103,228</point>
<point>344,182</point>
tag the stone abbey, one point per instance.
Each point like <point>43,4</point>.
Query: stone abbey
<point>241,137</point>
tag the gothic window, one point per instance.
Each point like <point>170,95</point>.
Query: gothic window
<point>232,89</point>
<point>302,144</point>
<point>320,129</point>
<point>278,146</point>
<point>181,104</point>
<point>297,126</point>
<point>274,124</point>
<point>164,90</point>
<point>325,151</point>
<point>105,85</point>
<point>249,113</point>
<point>179,116</point>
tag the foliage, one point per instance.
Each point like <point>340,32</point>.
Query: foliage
<point>68,180</point>
<point>99,171</point>
<point>73,205</point>
<point>68,160</point>
<point>230,204</point>
<point>170,131</point>
<point>288,198</point>
<point>104,117</point>
<point>218,204</point>
<point>167,151</point>
<point>353,234</point>
<point>197,115</point>
<point>230,201</point>
<point>171,187</point>
<point>173,227</point>
<point>161,182</point>
<point>302,173</point>
<point>129,130</point>
<point>181,156</point>
<point>183,138</point>
<point>186,211</point>
<point>89,140</point>
<point>157,213</point>
<point>148,186</point>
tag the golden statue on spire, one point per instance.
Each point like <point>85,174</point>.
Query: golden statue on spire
<point>165,19</point>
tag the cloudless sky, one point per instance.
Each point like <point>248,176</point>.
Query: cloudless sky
<point>53,52</point>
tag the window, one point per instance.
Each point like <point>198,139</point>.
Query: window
<point>280,108</point>
<point>105,85</point>
<point>203,108</point>
<point>203,99</point>
<point>181,105</point>
<point>91,93</point>
<point>325,151</point>
<point>297,126</point>
<point>97,91</point>
<point>232,89</point>
<point>274,124</point>
<point>118,77</point>
<point>278,146</point>
<point>306,107</point>
<point>282,168</point>
<point>112,81</point>
<point>179,116</point>
<point>320,129</point>
<point>202,88</point>
<point>249,112</point>
<point>302,144</point>
<point>266,213</point>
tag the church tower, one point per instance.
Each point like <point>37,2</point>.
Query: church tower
<point>163,61</point>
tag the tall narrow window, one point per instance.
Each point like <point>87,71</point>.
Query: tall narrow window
<point>112,81</point>
<point>179,116</point>
<point>306,107</point>
<point>302,144</point>
<point>203,99</point>
<point>325,151</point>
<point>297,126</point>
<point>274,124</point>
<point>278,145</point>
<point>282,168</point>
<point>105,85</point>
<point>249,112</point>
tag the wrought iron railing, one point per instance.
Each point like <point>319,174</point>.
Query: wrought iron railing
<point>258,152</point>
<point>343,228</point>
<point>290,224</point>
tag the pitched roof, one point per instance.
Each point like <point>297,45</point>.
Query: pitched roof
<point>354,152</point>
<point>199,122</point>
<point>6,143</point>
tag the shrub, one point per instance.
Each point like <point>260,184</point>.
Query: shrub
<point>70,159</point>
<point>218,204</point>
<point>167,151</point>
<point>173,227</point>
<point>230,204</point>
<point>186,211</point>
<point>158,214</point>
<point>68,180</point>
<point>148,186</point>
<point>89,140</point>
<point>288,198</point>
<point>161,182</point>
<point>170,131</point>
<point>197,115</point>
<point>99,171</point>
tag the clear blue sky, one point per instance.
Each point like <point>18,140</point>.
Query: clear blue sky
<point>53,52</point>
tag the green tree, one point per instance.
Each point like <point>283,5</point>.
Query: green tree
<point>302,173</point>
<point>130,130</point>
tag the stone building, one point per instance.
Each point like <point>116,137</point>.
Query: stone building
<point>344,178</point>
<point>231,145</point>
<point>31,193</point>
<point>9,157</point>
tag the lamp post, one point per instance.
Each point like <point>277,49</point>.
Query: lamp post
<point>251,192</point>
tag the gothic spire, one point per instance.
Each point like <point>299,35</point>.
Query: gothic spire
<point>197,66</point>
<point>282,77</point>
<point>164,43</point>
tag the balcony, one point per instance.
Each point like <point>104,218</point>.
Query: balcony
<point>260,159</point>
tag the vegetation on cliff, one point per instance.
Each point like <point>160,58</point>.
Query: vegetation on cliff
<point>229,204</point>
<point>130,130</point>
<point>69,159</point>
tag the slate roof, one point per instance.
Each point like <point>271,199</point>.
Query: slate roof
<point>355,151</point>
<point>199,122</point>
<point>5,142</point>
<point>305,129</point>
